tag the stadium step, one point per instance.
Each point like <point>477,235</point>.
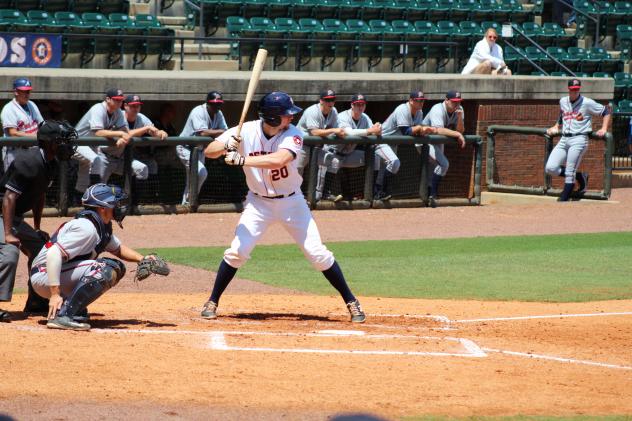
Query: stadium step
<point>221,50</point>
<point>195,64</point>
<point>173,21</point>
<point>140,8</point>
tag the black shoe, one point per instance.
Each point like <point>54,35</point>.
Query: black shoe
<point>36,304</point>
<point>381,195</point>
<point>582,180</point>
<point>432,201</point>
<point>5,316</point>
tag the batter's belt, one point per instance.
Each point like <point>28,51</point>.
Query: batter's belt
<point>281,196</point>
<point>575,134</point>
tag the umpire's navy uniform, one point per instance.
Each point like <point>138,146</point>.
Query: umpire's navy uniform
<point>29,176</point>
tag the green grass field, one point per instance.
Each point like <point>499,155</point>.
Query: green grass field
<point>555,268</point>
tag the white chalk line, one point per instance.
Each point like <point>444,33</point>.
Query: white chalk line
<point>545,316</point>
<point>558,359</point>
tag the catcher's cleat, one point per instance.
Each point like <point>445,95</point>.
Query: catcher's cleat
<point>210,310</point>
<point>357,315</point>
<point>82,317</point>
<point>65,322</point>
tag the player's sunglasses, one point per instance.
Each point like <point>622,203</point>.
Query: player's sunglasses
<point>492,37</point>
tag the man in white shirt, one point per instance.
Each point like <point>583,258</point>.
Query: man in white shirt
<point>487,57</point>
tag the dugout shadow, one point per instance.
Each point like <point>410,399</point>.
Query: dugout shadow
<point>279,316</point>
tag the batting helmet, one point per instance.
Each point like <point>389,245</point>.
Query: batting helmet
<point>276,104</point>
<point>106,196</point>
<point>58,136</point>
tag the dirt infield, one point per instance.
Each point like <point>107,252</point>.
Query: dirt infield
<point>280,354</point>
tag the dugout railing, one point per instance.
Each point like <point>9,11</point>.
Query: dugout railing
<point>410,184</point>
<point>546,188</point>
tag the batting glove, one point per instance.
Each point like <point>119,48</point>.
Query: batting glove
<point>232,144</point>
<point>234,158</point>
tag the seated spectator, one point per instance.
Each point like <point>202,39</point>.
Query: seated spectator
<point>204,120</point>
<point>20,117</point>
<point>487,57</point>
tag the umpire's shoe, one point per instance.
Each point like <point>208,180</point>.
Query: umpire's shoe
<point>357,315</point>
<point>210,310</point>
<point>66,323</point>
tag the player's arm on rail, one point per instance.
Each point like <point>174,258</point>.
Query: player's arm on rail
<point>211,132</point>
<point>452,133</point>
<point>336,131</point>
<point>13,132</point>
<point>604,125</point>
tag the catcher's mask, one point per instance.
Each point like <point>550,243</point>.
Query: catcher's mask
<point>107,196</point>
<point>276,104</point>
<point>58,137</point>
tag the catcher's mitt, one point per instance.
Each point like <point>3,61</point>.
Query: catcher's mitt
<point>151,263</point>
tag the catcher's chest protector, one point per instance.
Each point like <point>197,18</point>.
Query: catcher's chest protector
<point>105,231</point>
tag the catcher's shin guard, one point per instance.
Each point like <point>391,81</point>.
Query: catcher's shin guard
<point>102,275</point>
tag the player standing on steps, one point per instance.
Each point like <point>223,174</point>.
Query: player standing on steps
<point>268,150</point>
<point>576,113</point>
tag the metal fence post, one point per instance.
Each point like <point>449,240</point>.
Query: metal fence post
<point>478,169</point>
<point>369,160</point>
<point>127,174</point>
<point>491,153</point>
<point>607,170</point>
<point>548,148</point>
<point>193,178</point>
<point>423,162</point>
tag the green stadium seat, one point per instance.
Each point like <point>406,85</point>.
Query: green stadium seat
<point>515,59</point>
<point>559,74</point>
<point>324,9</point>
<point>290,28</point>
<point>70,22</point>
<point>538,73</point>
<point>622,84</point>
<point>623,8</point>
<point>514,11</point>
<point>601,74</point>
<point>471,29</point>
<point>624,106</point>
<point>582,74</point>
<point>442,10</point>
<point>121,20</point>
<point>147,21</point>
<point>255,8</point>
<point>600,60</point>
<point>277,8</point>
<point>420,10</point>
<point>624,40</point>
<point>577,57</point>
<point>12,20</point>
<point>40,18</point>
<point>539,58</point>
<point>557,36</point>
<point>353,9</point>
<point>533,31</point>
<point>485,25</point>
<point>97,20</point>
<point>338,28</point>
<point>559,54</point>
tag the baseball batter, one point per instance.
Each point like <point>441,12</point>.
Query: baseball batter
<point>406,120</point>
<point>447,118</point>
<point>268,150</point>
<point>204,120</point>
<point>20,117</point>
<point>576,113</point>
<point>68,270</point>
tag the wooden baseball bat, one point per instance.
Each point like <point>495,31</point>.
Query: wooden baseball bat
<point>257,68</point>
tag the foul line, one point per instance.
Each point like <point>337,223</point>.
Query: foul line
<point>558,359</point>
<point>547,316</point>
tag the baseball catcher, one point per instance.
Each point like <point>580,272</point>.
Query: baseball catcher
<point>69,270</point>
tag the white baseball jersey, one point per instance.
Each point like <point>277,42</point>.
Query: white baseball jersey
<point>401,117</point>
<point>438,116</point>
<point>77,237</point>
<point>97,118</point>
<point>200,120</point>
<point>345,120</point>
<point>24,119</point>
<point>266,182</point>
<point>141,121</point>
<point>313,118</point>
<point>576,117</point>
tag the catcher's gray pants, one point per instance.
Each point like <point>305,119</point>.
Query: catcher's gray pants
<point>184,154</point>
<point>332,162</point>
<point>112,164</point>
<point>31,243</point>
<point>571,150</point>
<point>386,154</point>
<point>71,274</point>
<point>89,163</point>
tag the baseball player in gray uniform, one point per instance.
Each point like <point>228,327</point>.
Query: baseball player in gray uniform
<point>576,113</point>
<point>20,117</point>
<point>68,270</point>
<point>319,120</point>
<point>447,117</point>
<point>355,123</point>
<point>105,119</point>
<point>140,125</point>
<point>406,120</point>
<point>204,120</point>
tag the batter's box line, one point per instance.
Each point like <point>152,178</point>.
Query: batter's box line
<point>558,359</point>
<point>218,343</point>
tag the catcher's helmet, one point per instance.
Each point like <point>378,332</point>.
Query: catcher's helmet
<point>106,196</point>
<point>276,104</point>
<point>58,136</point>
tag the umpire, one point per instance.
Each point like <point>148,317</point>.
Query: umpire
<point>23,188</point>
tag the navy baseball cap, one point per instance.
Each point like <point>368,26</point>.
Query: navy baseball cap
<point>574,84</point>
<point>133,100</point>
<point>22,84</point>
<point>417,95</point>
<point>453,95</point>
<point>114,93</point>
<point>214,97</point>
<point>358,99</point>
<point>328,94</point>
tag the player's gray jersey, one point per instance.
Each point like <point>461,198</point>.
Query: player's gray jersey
<point>77,237</point>
<point>141,121</point>
<point>23,119</point>
<point>313,118</point>
<point>199,120</point>
<point>345,120</point>
<point>438,116</point>
<point>576,118</point>
<point>401,117</point>
<point>97,118</point>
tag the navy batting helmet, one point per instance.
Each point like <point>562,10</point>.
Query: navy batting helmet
<point>276,104</point>
<point>106,196</point>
